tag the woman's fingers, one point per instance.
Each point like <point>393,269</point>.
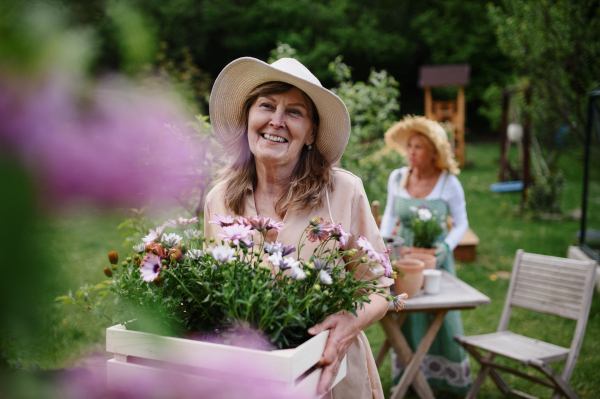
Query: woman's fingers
<point>328,377</point>
<point>327,324</point>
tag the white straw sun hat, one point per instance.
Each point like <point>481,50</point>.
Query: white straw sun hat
<point>241,76</point>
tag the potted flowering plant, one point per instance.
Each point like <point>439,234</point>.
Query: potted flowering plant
<point>426,227</point>
<point>237,291</point>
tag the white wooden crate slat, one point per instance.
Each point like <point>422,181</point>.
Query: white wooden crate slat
<point>281,365</point>
<point>203,363</point>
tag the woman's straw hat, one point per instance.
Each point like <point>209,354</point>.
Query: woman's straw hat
<point>397,137</point>
<point>241,76</point>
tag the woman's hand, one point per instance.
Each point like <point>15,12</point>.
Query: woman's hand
<point>441,253</point>
<point>343,329</point>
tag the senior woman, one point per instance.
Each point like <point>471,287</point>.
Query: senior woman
<point>430,180</point>
<point>283,132</point>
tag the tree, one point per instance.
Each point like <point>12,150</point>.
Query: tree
<point>554,45</point>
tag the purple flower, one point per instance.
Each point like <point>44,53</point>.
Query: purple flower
<point>272,247</point>
<point>399,301</point>
<point>319,264</point>
<point>236,232</point>
<point>276,259</point>
<point>370,252</point>
<point>194,254</point>
<point>117,149</point>
<point>260,223</point>
<point>387,267</point>
<point>248,242</point>
<point>287,249</point>
<point>151,267</point>
<point>338,232</point>
<point>180,223</point>
<point>297,273</point>
<point>222,253</point>
<point>289,263</point>
<point>154,236</point>
<point>171,239</point>
<point>325,277</point>
<point>223,221</point>
<point>318,230</point>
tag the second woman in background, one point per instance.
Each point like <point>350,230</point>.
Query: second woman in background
<point>429,181</point>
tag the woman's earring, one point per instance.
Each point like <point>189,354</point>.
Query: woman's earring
<point>310,147</point>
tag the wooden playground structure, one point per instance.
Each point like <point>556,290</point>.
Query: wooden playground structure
<point>450,111</point>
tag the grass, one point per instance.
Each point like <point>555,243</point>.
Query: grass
<point>495,220</point>
<point>78,242</point>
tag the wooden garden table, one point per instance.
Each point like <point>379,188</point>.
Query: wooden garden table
<point>454,294</point>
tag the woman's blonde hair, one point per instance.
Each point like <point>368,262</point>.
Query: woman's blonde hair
<point>309,181</point>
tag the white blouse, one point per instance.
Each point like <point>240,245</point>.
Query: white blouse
<point>452,193</point>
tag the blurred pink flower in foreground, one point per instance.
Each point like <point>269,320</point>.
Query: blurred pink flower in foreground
<point>111,142</point>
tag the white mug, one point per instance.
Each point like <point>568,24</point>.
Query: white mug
<point>433,277</point>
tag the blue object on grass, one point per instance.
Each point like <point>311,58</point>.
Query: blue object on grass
<point>506,187</point>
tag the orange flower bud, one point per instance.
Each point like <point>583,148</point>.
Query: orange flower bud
<point>157,249</point>
<point>113,257</point>
<point>176,255</point>
<point>107,271</point>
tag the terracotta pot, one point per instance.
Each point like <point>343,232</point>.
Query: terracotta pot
<point>429,260</point>
<point>412,281</point>
<point>417,250</point>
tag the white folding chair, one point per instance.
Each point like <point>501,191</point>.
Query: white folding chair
<point>557,286</point>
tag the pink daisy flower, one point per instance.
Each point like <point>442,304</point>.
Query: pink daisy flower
<point>180,223</point>
<point>260,223</point>
<point>399,301</point>
<point>151,267</point>
<point>236,232</point>
<point>154,236</point>
<point>370,252</point>
<point>318,230</point>
<point>338,232</point>
<point>223,221</point>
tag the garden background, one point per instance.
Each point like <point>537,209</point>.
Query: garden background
<point>369,54</point>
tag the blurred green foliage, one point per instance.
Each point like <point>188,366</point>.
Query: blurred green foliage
<point>386,35</point>
<point>554,45</point>
<point>373,106</point>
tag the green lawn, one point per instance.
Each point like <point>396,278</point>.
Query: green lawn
<point>494,218</point>
<point>78,242</point>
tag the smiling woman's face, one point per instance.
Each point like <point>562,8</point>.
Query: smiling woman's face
<point>279,125</point>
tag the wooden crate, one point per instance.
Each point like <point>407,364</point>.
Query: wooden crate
<point>466,250</point>
<point>205,367</point>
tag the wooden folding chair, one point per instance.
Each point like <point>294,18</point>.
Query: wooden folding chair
<point>557,286</point>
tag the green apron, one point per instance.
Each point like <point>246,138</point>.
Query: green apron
<point>446,364</point>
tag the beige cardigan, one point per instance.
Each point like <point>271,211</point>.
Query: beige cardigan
<point>350,206</point>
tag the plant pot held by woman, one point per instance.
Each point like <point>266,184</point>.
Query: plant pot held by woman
<point>426,227</point>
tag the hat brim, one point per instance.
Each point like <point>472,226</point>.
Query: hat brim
<point>240,77</point>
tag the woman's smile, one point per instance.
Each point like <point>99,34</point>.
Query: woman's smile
<point>274,138</point>
<point>279,126</point>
